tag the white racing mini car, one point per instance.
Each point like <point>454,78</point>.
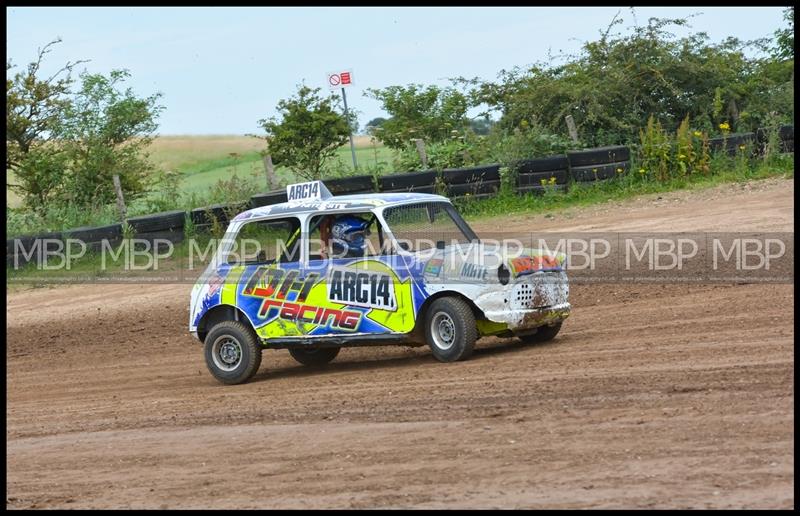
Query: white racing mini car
<point>320,272</point>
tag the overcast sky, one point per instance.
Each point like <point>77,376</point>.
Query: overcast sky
<point>222,69</point>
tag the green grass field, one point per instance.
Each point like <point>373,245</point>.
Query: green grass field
<point>202,161</point>
<point>202,175</point>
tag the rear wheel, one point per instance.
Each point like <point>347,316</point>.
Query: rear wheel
<point>232,352</point>
<point>543,334</point>
<point>450,329</point>
<point>314,357</point>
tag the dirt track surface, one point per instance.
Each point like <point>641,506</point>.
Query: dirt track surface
<point>652,396</point>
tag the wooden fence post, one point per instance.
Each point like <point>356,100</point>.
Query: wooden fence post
<point>421,150</point>
<point>123,212</point>
<point>573,131</point>
<point>270,169</point>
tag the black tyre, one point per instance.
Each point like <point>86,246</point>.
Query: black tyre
<point>232,352</point>
<point>431,189</point>
<point>167,221</point>
<point>157,239</point>
<point>268,199</point>
<point>455,176</point>
<point>223,213</point>
<point>111,232</point>
<point>731,143</point>
<point>535,178</point>
<point>353,184</point>
<point>314,356</point>
<point>408,181</point>
<point>600,172</point>
<point>481,187</point>
<point>530,166</point>
<point>543,334</point>
<point>450,329</point>
<point>599,156</point>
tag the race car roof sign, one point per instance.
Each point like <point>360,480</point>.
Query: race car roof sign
<point>311,191</point>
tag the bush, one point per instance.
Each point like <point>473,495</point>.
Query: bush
<point>529,140</point>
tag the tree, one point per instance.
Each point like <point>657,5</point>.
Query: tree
<point>481,126</point>
<point>617,81</point>
<point>106,131</point>
<point>431,113</point>
<point>374,124</point>
<point>34,116</point>
<point>784,38</point>
<point>308,133</point>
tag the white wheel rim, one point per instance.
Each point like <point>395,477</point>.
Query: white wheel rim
<point>443,330</point>
<point>226,353</point>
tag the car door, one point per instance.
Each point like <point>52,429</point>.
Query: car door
<point>366,293</point>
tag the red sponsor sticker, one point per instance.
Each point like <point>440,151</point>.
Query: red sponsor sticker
<point>525,264</point>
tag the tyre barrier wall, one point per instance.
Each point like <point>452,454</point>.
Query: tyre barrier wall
<point>531,176</point>
<point>599,164</point>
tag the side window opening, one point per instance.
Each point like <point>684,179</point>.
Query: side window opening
<point>266,241</point>
<point>345,235</point>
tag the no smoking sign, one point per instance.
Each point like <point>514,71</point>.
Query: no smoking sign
<point>342,79</point>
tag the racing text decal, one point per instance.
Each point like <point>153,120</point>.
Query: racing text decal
<point>276,285</point>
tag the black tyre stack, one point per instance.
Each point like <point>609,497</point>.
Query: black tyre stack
<point>418,182</point>
<point>474,182</point>
<point>96,237</point>
<point>204,218</point>
<point>161,226</point>
<point>731,144</point>
<point>351,185</point>
<point>32,248</point>
<point>599,164</point>
<point>269,198</point>
<point>553,170</point>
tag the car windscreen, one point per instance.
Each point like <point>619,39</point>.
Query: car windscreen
<point>425,225</point>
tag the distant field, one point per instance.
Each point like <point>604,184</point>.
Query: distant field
<point>204,160</point>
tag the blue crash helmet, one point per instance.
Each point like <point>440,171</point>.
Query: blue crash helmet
<point>349,236</point>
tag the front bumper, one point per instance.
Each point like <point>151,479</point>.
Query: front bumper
<point>529,318</point>
<point>529,302</point>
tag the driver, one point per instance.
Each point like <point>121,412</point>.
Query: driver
<point>349,236</point>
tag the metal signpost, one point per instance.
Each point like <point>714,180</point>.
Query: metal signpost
<point>342,80</point>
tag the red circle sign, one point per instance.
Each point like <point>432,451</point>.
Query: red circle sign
<point>334,79</point>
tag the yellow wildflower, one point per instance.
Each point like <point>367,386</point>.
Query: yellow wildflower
<point>698,134</point>
<point>725,126</point>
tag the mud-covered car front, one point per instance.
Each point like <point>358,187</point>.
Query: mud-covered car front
<point>515,291</point>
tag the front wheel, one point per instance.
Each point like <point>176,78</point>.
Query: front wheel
<point>543,334</point>
<point>232,352</point>
<point>314,357</point>
<point>450,329</point>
